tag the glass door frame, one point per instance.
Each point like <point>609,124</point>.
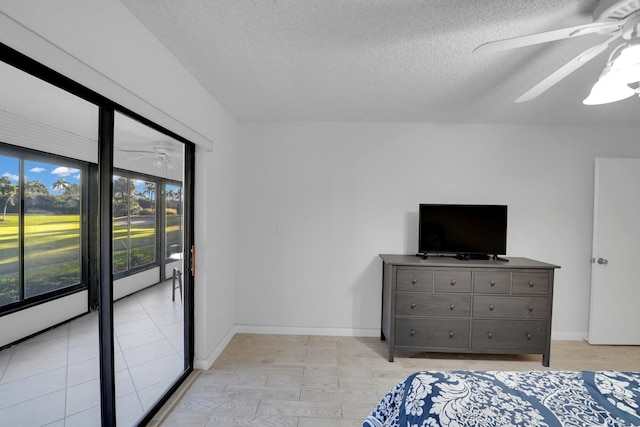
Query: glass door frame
<point>99,261</point>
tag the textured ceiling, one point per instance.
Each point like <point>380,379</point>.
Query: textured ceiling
<point>383,60</point>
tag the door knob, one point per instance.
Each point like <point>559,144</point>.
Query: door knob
<point>602,261</point>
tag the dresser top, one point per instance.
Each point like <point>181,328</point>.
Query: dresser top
<point>449,261</point>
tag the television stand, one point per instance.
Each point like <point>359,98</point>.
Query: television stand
<point>497,258</point>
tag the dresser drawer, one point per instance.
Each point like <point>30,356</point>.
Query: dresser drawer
<point>492,282</point>
<point>452,281</point>
<point>429,304</point>
<point>432,332</point>
<point>531,283</point>
<point>489,306</point>
<point>408,279</point>
<point>514,335</point>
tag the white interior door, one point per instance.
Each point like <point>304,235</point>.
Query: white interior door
<point>615,283</point>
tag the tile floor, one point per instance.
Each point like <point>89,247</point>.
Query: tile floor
<point>314,381</point>
<point>53,378</point>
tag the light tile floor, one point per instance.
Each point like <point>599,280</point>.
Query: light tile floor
<point>53,378</point>
<point>314,381</point>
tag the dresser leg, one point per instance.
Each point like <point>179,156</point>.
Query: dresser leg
<point>545,359</point>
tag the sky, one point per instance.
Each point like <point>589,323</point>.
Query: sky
<point>47,173</point>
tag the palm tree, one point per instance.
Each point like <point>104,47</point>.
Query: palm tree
<point>34,188</point>
<point>149,189</point>
<point>8,190</point>
<point>11,201</point>
<point>122,195</point>
<point>61,184</point>
<point>171,194</point>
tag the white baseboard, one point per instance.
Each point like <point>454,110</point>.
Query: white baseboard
<point>568,336</point>
<point>205,364</point>
<point>287,330</point>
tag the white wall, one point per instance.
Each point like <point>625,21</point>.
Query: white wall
<point>101,45</point>
<point>215,201</point>
<point>317,203</point>
<point>20,324</point>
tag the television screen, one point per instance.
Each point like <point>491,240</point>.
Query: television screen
<point>462,229</point>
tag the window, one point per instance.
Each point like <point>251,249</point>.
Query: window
<point>10,288</point>
<point>173,219</point>
<point>134,222</point>
<point>40,226</point>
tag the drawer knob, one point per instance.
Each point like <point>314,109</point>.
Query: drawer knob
<point>450,334</point>
<point>413,305</point>
<point>531,284</point>
<point>452,306</point>
<point>530,308</point>
<point>528,335</point>
<point>453,282</point>
<point>412,332</point>
<point>489,335</point>
<point>491,307</point>
<point>414,281</point>
<point>492,283</point>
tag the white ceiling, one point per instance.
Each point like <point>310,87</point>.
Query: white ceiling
<point>39,115</point>
<point>383,60</point>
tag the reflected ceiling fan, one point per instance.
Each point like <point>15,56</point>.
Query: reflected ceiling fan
<point>620,79</point>
<point>161,154</point>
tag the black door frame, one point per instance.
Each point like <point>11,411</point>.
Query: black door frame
<point>99,260</point>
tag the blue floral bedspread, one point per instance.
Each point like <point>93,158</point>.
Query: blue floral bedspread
<point>539,398</point>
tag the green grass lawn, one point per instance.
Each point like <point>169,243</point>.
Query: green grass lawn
<point>52,251</point>
<point>51,254</point>
<point>46,236</point>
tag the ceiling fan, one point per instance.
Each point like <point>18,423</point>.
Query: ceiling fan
<point>618,19</point>
<point>161,154</point>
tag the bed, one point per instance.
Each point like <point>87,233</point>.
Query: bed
<point>504,398</point>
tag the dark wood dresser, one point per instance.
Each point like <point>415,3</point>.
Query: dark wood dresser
<point>443,304</point>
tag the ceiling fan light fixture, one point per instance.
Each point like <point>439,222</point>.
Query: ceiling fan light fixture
<point>618,74</point>
<point>158,162</point>
<point>624,69</point>
<point>604,92</point>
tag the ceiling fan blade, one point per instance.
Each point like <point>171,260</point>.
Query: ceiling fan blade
<point>139,156</point>
<point>548,36</point>
<point>566,69</point>
<point>124,150</point>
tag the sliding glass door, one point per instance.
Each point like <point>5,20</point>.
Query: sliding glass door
<point>148,314</point>
<point>95,227</point>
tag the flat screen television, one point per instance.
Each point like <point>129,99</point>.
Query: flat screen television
<point>472,231</point>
